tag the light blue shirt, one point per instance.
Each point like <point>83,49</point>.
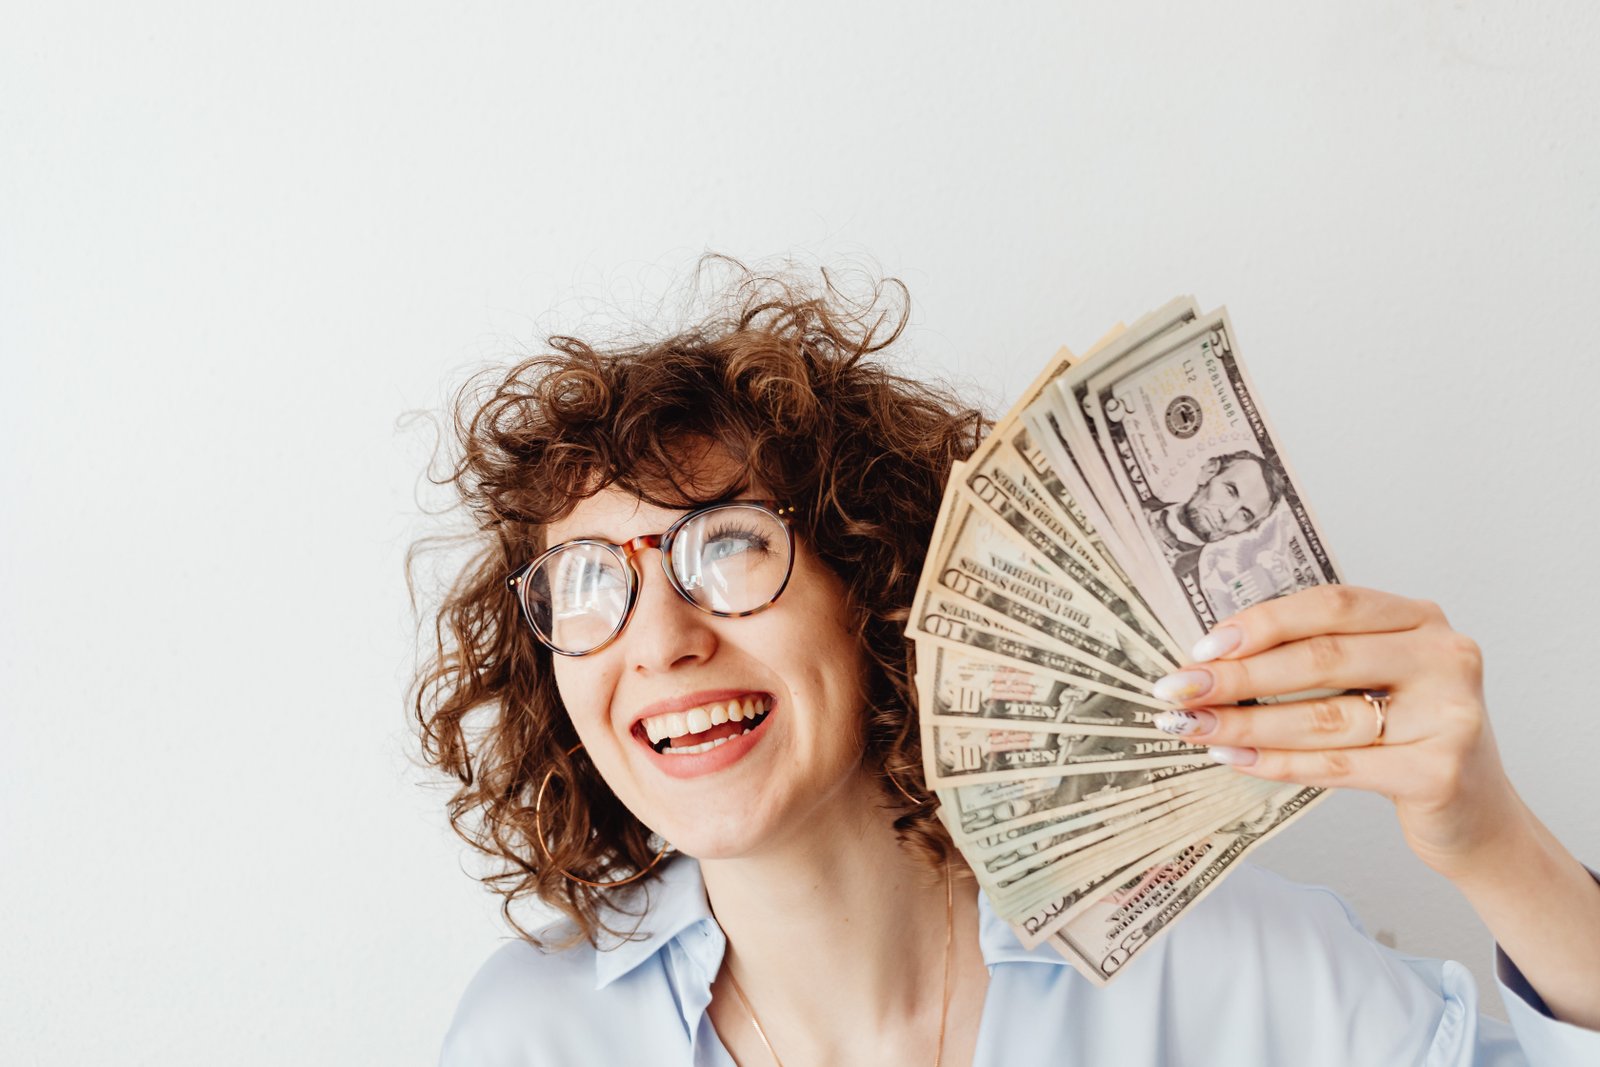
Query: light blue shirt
<point>1262,972</point>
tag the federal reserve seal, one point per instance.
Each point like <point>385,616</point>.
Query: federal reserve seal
<point>1183,417</point>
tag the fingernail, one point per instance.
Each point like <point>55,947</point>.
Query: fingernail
<point>1218,642</point>
<point>1184,685</point>
<point>1233,757</point>
<point>1185,723</point>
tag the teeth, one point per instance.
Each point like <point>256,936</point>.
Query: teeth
<point>706,746</point>
<point>659,728</point>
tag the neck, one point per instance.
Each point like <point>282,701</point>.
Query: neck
<point>837,929</point>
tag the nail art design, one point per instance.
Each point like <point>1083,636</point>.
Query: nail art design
<point>1184,685</point>
<point>1182,723</point>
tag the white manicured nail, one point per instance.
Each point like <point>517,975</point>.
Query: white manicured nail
<point>1218,642</point>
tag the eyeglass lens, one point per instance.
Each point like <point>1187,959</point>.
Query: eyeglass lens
<point>730,559</point>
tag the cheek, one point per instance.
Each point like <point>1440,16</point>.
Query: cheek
<point>580,694</point>
<point>842,669</point>
<point>824,656</point>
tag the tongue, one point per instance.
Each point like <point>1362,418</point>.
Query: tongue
<point>722,729</point>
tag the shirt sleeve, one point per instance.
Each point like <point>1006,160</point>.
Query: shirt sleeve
<point>1544,1038</point>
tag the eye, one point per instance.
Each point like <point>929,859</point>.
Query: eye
<point>585,578</point>
<point>731,540</point>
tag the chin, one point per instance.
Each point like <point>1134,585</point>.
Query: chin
<point>726,840</point>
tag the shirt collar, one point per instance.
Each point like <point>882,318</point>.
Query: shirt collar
<point>676,902</point>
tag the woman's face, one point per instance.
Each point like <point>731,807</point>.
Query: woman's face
<point>796,657</point>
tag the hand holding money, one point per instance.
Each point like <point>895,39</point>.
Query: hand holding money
<point>1128,502</point>
<point>1401,713</point>
<point>1136,664</point>
<point>1436,758</point>
<point>1128,557</point>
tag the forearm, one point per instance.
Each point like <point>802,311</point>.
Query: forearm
<point>1543,908</point>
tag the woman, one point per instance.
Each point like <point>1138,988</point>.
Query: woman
<point>685,625</point>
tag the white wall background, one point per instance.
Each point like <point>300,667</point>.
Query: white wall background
<point>237,242</point>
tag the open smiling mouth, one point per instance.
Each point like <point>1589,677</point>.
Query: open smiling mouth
<point>684,733</point>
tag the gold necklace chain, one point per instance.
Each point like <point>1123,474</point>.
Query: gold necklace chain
<point>944,1007</point>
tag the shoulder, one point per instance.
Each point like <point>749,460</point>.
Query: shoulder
<point>1260,970</point>
<point>518,971</point>
<point>528,1005</point>
<point>516,1004</point>
<point>1302,952</point>
<point>1277,929</point>
<point>1255,903</point>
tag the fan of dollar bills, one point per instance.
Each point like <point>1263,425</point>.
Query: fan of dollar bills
<point>1128,502</point>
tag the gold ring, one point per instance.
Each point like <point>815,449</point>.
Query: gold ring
<point>1380,707</point>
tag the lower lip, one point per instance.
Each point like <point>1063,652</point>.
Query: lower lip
<point>724,755</point>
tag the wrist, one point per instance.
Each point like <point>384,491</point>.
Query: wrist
<point>1513,847</point>
<point>1522,860</point>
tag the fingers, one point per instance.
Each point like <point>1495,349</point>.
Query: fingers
<point>1317,643</point>
<point>1326,661</point>
<point>1323,609</point>
<point>1380,769</point>
<point>1344,721</point>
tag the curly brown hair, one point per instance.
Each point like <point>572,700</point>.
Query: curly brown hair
<point>783,376</point>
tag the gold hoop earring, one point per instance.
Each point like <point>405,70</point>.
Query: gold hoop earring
<point>913,801</point>
<point>538,836</point>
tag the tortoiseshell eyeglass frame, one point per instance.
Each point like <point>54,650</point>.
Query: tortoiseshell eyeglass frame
<point>516,581</point>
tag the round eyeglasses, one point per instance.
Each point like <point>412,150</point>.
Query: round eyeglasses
<point>728,559</point>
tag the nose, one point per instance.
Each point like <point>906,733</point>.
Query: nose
<point>666,631</point>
